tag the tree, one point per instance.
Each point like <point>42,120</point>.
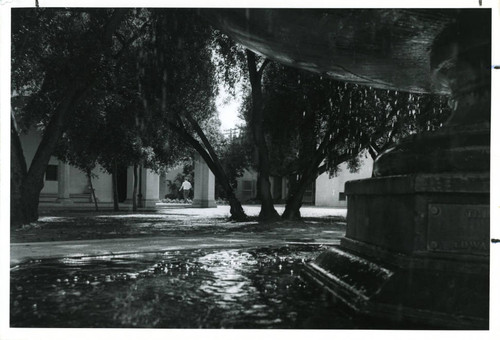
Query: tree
<point>179,86</point>
<point>256,117</point>
<point>323,123</point>
<point>236,156</point>
<point>57,56</point>
<point>114,127</point>
<point>233,69</point>
<point>137,111</point>
<point>236,64</point>
<point>80,148</point>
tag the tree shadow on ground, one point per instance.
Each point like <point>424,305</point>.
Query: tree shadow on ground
<point>71,226</point>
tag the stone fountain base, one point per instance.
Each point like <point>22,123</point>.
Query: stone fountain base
<point>416,249</point>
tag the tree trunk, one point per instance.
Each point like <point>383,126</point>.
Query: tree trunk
<point>18,171</point>
<point>33,179</point>
<point>114,179</point>
<point>267,211</point>
<point>236,210</point>
<point>213,162</point>
<point>293,205</point>
<point>294,200</point>
<point>257,191</point>
<point>308,175</point>
<point>307,155</point>
<point>92,191</point>
<point>30,201</point>
<point>134,191</point>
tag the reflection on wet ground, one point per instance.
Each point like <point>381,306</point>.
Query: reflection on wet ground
<point>256,288</point>
<point>85,225</point>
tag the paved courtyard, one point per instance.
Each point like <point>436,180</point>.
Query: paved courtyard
<point>83,232</point>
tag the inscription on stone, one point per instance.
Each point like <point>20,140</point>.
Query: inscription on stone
<point>460,228</point>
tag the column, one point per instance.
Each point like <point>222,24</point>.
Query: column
<point>284,188</point>
<point>204,184</point>
<point>150,188</point>
<point>163,185</point>
<point>63,183</point>
<point>130,184</point>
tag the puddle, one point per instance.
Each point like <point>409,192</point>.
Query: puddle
<point>251,288</point>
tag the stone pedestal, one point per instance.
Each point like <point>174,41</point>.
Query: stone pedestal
<point>417,242</point>
<point>63,183</point>
<point>435,215</point>
<point>204,185</point>
<point>416,250</point>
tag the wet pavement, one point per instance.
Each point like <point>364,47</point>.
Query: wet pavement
<point>262,287</point>
<point>77,233</point>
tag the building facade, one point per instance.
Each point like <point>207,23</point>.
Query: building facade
<point>65,184</point>
<point>326,191</point>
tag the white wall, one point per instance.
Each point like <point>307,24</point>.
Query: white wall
<point>328,189</point>
<point>79,183</point>
<point>325,190</point>
<point>103,187</point>
<point>78,180</point>
<point>150,185</point>
<point>51,187</point>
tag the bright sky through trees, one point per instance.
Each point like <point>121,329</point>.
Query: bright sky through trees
<point>228,109</point>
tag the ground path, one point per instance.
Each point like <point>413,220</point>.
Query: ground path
<point>82,232</point>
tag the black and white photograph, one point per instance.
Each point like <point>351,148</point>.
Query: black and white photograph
<point>300,170</point>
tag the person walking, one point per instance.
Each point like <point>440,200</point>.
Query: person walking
<point>185,187</point>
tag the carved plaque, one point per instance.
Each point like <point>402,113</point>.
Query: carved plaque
<point>458,228</point>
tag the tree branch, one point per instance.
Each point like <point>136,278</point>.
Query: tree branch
<point>373,151</point>
<point>126,43</point>
<point>217,164</point>
<point>113,24</point>
<point>263,66</point>
<point>203,137</point>
<point>72,96</point>
<point>181,131</point>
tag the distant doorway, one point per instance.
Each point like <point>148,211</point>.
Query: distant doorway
<point>121,180</point>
